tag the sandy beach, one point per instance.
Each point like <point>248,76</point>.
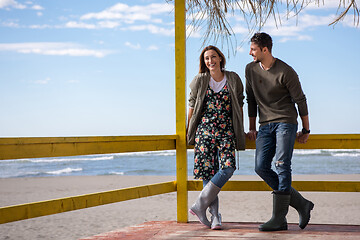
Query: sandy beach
<point>340,208</point>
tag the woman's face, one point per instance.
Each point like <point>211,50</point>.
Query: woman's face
<point>212,60</point>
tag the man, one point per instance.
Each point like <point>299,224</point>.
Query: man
<point>273,88</point>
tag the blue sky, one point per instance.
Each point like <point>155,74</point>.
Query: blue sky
<point>106,68</point>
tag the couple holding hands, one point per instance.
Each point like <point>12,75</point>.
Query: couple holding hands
<point>215,128</point>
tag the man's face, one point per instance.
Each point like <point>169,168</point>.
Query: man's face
<point>256,52</point>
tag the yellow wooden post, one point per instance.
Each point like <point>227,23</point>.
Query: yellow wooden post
<point>180,83</point>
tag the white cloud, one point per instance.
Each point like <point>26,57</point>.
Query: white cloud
<point>10,24</point>
<point>7,4</point>
<point>102,15</point>
<point>297,28</point>
<point>328,4</point>
<point>108,24</point>
<point>133,46</point>
<point>80,25</point>
<point>43,81</point>
<point>74,24</point>
<point>294,28</point>
<point>130,14</point>
<point>40,26</point>
<point>52,48</point>
<point>296,38</point>
<point>99,25</point>
<point>75,52</point>
<point>308,20</point>
<point>283,30</point>
<point>119,16</point>
<point>37,7</point>
<point>157,20</point>
<point>240,29</point>
<point>152,29</point>
<point>153,48</point>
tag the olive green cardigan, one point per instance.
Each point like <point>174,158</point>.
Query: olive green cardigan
<point>198,88</point>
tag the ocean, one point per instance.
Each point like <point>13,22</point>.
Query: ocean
<point>326,161</point>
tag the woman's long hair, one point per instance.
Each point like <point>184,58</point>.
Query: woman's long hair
<point>202,67</point>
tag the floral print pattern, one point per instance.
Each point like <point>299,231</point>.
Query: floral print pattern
<point>214,138</point>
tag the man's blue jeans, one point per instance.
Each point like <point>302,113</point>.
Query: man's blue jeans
<point>275,139</point>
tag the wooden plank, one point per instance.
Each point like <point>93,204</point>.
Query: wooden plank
<point>327,186</point>
<point>331,141</point>
<point>38,209</point>
<point>15,148</point>
<point>321,141</point>
<point>314,186</point>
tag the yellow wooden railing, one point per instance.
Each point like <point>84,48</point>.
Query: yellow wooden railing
<point>14,148</point>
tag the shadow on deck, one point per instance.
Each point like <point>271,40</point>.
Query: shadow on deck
<point>194,230</point>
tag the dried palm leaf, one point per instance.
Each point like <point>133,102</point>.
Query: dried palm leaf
<point>213,14</point>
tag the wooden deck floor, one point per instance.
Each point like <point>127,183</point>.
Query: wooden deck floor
<point>194,230</point>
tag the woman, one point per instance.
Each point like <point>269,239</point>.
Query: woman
<point>215,127</point>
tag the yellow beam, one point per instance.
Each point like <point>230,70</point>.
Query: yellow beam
<point>180,86</point>
<point>15,148</point>
<point>314,186</point>
<point>195,185</point>
<point>38,209</point>
<point>327,186</point>
<point>322,141</point>
<point>331,141</point>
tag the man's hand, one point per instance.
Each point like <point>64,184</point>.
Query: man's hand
<point>252,135</point>
<point>302,138</point>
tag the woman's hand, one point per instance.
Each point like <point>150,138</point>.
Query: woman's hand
<point>252,135</point>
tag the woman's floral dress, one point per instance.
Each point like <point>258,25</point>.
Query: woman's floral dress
<point>214,138</point>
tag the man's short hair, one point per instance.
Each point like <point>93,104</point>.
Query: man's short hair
<point>262,40</point>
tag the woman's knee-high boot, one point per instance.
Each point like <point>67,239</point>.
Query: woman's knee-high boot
<point>280,209</point>
<point>302,206</point>
<point>215,215</point>
<point>206,197</point>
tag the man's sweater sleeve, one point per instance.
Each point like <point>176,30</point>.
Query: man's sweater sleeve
<point>296,92</point>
